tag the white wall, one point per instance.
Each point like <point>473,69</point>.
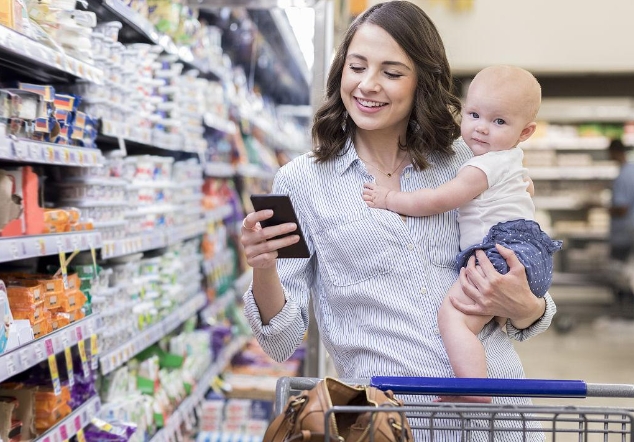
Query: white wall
<point>544,36</point>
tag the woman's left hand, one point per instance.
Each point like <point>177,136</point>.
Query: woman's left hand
<point>494,294</point>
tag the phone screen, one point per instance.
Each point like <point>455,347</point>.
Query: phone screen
<point>283,212</point>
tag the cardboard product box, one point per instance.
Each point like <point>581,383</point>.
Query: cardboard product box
<point>14,15</point>
<point>10,199</point>
<point>25,409</point>
<point>31,220</point>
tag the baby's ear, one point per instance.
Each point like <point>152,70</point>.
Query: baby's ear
<point>528,130</point>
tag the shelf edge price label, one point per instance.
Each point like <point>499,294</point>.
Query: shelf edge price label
<point>69,366</point>
<point>94,351</point>
<point>10,364</point>
<point>57,385</point>
<point>80,435</point>
<point>82,354</point>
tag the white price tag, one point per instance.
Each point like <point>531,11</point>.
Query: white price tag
<point>39,352</point>
<point>11,368</point>
<point>25,359</point>
<point>15,252</point>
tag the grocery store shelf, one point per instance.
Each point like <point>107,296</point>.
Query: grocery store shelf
<point>242,283</point>
<point>32,246</point>
<point>126,351</point>
<point>576,279</point>
<point>39,61</point>
<point>135,138</point>
<point>219,123</point>
<point>218,213</point>
<point>152,240</point>
<point>219,305</point>
<point>586,109</point>
<point>30,354</point>
<point>254,171</point>
<point>71,424</point>
<point>564,202</point>
<point>574,173</point>
<point>28,151</point>
<point>588,235</point>
<point>137,28</point>
<point>581,143</point>
<point>185,411</point>
<point>219,170</point>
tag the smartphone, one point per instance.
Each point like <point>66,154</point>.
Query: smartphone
<point>283,212</point>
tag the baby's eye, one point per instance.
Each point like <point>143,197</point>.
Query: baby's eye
<point>499,121</point>
<point>473,115</point>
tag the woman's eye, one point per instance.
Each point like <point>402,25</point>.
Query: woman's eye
<point>499,121</point>
<point>392,75</point>
<point>356,69</point>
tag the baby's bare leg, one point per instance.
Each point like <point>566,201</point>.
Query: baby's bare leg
<point>459,333</point>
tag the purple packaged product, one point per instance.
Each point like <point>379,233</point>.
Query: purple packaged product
<point>114,431</point>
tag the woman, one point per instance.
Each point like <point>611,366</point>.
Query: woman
<point>377,280</point>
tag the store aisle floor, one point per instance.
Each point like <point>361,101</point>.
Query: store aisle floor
<point>599,351</point>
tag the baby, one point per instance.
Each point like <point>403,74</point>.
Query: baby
<point>493,196</point>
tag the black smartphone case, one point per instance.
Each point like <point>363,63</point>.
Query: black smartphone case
<point>283,212</point>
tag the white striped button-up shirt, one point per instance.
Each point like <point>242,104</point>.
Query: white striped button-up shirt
<point>377,282</point>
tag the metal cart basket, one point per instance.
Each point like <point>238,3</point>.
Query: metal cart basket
<point>433,421</point>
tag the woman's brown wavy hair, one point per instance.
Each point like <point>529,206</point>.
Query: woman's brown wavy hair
<point>433,122</point>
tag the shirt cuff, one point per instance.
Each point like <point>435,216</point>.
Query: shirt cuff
<point>536,327</point>
<point>278,324</point>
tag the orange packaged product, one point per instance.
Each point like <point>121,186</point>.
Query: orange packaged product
<point>42,327</point>
<point>74,283</point>
<point>46,401</point>
<point>71,300</point>
<point>24,293</point>
<point>56,216</point>
<point>76,315</point>
<point>33,313</point>
<point>45,420</point>
<point>59,320</point>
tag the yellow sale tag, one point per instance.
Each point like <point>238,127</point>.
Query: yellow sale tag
<point>80,435</point>
<point>82,354</point>
<point>62,264</point>
<point>69,367</point>
<point>52,364</point>
<point>94,350</point>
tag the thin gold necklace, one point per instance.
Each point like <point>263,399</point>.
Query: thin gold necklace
<point>389,175</point>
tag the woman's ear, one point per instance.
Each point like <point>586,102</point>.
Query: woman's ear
<point>528,131</point>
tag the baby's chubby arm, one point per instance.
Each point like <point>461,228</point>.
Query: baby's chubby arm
<point>469,183</point>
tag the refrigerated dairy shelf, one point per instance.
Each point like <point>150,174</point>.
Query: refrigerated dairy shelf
<point>32,353</point>
<point>32,246</point>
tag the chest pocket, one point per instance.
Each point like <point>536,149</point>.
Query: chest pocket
<point>442,241</point>
<point>353,252</point>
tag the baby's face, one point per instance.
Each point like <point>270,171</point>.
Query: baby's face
<point>494,116</point>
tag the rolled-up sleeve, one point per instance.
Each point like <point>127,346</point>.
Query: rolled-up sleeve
<point>285,332</point>
<point>539,326</point>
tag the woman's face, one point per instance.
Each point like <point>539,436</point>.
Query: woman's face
<point>378,82</point>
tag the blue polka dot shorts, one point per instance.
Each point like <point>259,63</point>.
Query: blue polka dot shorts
<point>533,248</point>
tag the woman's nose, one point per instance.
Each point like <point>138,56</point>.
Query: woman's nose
<point>369,84</point>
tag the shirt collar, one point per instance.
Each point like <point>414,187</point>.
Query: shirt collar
<point>347,158</point>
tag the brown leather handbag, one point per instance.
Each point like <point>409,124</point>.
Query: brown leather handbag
<point>303,419</point>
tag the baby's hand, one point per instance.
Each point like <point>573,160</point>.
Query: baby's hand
<point>375,196</point>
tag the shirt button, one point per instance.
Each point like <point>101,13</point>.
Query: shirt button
<point>437,331</point>
<point>423,291</point>
<point>407,175</point>
<point>410,246</point>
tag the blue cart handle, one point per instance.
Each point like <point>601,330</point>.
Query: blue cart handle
<point>500,387</point>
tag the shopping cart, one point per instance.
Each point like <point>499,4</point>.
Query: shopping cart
<point>432,421</point>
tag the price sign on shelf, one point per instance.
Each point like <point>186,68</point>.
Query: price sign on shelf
<point>82,354</point>
<point>52,365</point>
<point>69,366</point>
<point>10,364</point>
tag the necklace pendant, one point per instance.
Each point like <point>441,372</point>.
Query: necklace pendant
<point>389,175</point>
